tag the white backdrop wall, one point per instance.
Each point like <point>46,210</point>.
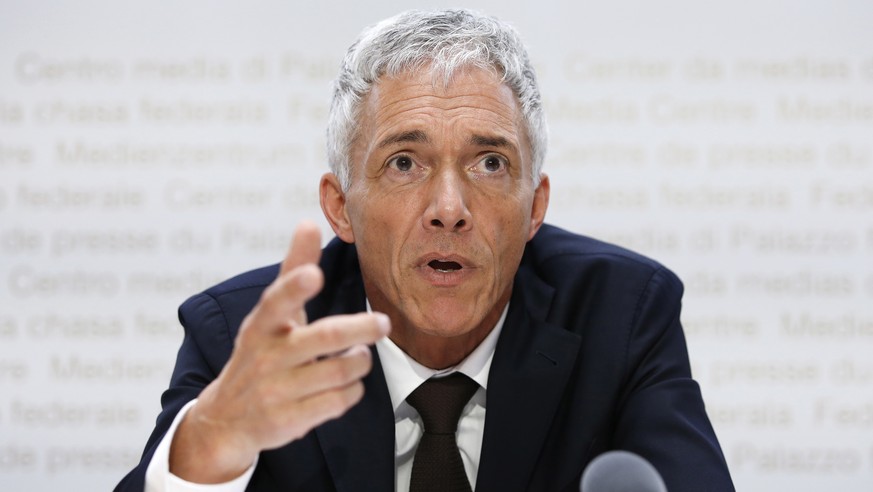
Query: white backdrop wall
<point>150,149</point>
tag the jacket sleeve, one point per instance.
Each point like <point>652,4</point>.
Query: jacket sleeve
<point>205,326</point>
<point>661,414</point>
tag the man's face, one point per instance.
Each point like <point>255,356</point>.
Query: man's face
<point>440,205</point>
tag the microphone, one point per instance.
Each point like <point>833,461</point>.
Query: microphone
<point>621,471</point>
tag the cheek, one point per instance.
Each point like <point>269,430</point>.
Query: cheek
<point>512,233</point>
<point>515,218</point>
<point>377,238</point>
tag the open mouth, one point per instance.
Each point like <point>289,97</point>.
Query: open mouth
<point>444,266</point>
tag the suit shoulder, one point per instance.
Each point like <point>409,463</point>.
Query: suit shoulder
<point>571,262</point>
<point>236,296</point>
<point>554,247</point>
<point>248,285</point>
<point>214,315</point>
<point>258,278</point>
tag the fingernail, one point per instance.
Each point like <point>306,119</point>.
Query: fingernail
<point>384,323</point>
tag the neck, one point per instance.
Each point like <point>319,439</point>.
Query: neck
<point>440,352</point>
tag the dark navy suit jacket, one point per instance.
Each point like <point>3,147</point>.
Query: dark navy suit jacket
<point>592,357</point>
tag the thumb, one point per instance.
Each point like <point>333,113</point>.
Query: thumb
<point>305,247</point>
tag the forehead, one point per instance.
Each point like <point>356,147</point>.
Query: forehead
<point>472,99</point>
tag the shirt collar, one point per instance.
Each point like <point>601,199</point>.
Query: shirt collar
<point>403,374</point>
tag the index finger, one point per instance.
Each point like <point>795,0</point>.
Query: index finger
<point>332,335</point>
<point>305,247</point>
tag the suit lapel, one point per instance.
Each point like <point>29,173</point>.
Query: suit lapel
<point>531,366</point>
<point>359,446</point>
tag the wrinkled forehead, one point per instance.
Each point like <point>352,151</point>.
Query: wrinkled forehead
<point>475,109</point>
<point>469,89</point>
<point>423,84</point>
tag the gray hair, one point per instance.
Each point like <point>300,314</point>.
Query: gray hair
<point>445,42</point>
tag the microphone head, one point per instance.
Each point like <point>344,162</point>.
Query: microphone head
<point>621,471</point>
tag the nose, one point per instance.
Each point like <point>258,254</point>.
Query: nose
<point>447,210</point>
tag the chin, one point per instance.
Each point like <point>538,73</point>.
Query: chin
<point>451,320</point>
<point>449,332</point>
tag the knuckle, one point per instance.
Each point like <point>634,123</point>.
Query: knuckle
<point>339,372</point>
<point>366,361</point>
<point>338,401</point>
<point>330,335</point>
<point>266,304</point>
<point>357,366</point>
<point>355,392</point>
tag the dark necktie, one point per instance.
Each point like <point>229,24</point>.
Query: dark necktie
<point>437,465</point>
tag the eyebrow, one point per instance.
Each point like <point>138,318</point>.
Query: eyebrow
<point>419,136</point>
<point>487,141</point>
<point>413,136</point>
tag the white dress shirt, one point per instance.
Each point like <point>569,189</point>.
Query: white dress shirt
<point>159,478</point>
<point>403,375</point>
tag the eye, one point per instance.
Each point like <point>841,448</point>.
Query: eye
<point>402,163</point>
<point>491,164</point>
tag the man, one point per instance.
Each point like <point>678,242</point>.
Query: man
<point>569,347</point>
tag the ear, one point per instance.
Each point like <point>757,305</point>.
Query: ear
<point>540,205</point>
<point>333,205</point>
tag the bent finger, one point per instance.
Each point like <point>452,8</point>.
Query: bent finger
<point>334,334</point>
<point>285,299</point>
<point>327,374</point>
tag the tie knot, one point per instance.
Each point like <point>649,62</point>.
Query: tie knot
<point>440,401</point>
